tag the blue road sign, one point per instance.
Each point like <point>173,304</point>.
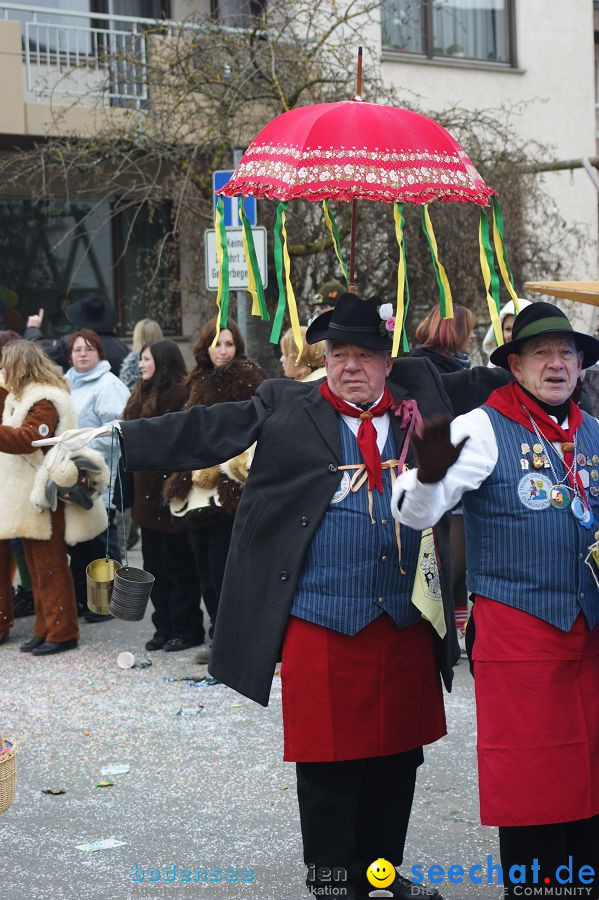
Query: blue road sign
<point>232,218</point>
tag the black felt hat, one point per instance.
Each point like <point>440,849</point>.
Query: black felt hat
<point>538,320</point>
<point>352,321</point>
<point>92,312</point>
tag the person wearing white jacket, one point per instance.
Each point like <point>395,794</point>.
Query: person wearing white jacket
<point>99,397</point>
<point>507,314</point>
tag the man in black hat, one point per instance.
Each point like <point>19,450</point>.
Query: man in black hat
<point>317,570</point>
<point>528,475</point>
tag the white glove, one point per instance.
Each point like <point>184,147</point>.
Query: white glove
<point>76,438</point>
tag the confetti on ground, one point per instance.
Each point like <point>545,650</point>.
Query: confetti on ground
<point>188,710</point>
<point>118,769</point>
<point>106,782</point>
<point>105,844</point>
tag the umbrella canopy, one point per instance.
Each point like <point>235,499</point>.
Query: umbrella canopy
<point>581,291</point>
<point>356,150</point>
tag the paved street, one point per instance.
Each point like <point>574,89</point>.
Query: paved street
<point>206,786</point>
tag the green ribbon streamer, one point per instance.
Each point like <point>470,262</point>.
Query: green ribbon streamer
<point>495,287</point>
<point>442,294</point>
<point>277,324</point>
<point>337,240</point>
<point>499,219</point>
<point>221,237</point>
<point>249,236</point>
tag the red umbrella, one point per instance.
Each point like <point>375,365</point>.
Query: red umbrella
<point>356,150</point>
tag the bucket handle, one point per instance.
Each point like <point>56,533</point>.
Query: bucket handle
<point>115,451</point>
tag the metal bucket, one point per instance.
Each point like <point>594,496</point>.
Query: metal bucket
<point>100,581</point>
<point>130,594</point>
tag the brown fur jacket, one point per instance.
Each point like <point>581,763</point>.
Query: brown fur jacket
<point>149,509</point>
<point>237,381</point>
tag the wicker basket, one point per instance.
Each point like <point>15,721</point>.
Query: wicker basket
<point>8,774</point>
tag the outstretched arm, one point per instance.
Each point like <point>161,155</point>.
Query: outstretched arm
<point>452,459</point>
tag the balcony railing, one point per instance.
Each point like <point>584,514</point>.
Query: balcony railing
<point>74,54</point>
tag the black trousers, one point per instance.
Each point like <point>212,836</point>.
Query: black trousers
<point>80,557</point>
<point>552,846</point>
<point>176,591</point>
<point>355,811</point>
<point>210,547</point>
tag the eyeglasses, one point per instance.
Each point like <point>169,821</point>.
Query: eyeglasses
<point>84,350</point>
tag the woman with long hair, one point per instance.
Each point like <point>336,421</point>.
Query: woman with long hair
<point>34,404</point>
<point>145,332</point>
<point>223,373</point>
<point>165,549</point>
<point>446,341</point>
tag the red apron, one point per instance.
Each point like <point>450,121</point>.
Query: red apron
<point>537,709</point>
<point>375,693</point>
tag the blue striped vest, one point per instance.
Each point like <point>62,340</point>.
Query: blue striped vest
<point>520,550</point>
<point>351,571</point>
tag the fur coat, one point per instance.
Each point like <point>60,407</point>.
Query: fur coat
<point>41,411</point>
<point>205,496</point>
<point>150,510</point>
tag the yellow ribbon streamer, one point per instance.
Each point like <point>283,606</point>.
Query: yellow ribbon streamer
<point>441,269</point>
<point>291,302</point>
<point>329,224</point>
<point>401,282</point>
<point>494,314</point>
<point>498,243</point>
<point>252,289</point>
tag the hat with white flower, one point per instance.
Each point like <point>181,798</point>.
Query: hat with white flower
<point>364,323</point>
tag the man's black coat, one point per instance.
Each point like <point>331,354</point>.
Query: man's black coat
<point>292,480</point>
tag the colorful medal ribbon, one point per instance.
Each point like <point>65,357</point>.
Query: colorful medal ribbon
<point>445,298</point>
<point>283,270</point>
<point>222,255</point>
<point>487,265</point>
<point>255,286</point>
<point>400,310</point>
<point>498,233</point>
<point>334,231</point>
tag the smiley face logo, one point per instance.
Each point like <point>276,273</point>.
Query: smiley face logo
<point>380,873</point>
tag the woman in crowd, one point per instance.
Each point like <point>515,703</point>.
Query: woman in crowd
<point>445,342</point>
<point>145,332</point>
<point>35,403</point>
<point>310,365</point>
<point>223,373</point>
<point>165,549</point>
<point>507,314</point>
<point>99,397</point>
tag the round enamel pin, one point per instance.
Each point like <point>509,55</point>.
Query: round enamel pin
<point>534,491</point>
<point>43,430</point>
<point>559,497</point>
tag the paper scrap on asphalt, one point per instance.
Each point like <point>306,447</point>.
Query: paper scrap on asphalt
<point>114,770</point>
<point>105,844</point>
<point>54,791</point>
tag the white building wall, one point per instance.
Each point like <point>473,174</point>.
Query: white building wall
<point>555,78</point>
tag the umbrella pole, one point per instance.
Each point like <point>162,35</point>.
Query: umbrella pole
<point>352,286</point>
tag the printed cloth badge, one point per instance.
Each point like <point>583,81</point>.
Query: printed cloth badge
<point>533,491</point>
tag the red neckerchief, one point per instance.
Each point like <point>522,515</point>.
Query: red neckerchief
<point>366,432</point>
<point>510,400</point>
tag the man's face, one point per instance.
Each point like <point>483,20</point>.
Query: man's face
<point>548,367</point>
<point>356,374</point>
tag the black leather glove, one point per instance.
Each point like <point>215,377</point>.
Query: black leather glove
<point>435,453</point>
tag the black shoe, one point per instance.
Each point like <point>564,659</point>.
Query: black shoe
<point>404,889</point>
<point>49,649</point>
<point>30,645</point>
<point>176,644</point>
<point>22,603</point>
<point>92,617</point>
<point>156,643</point>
